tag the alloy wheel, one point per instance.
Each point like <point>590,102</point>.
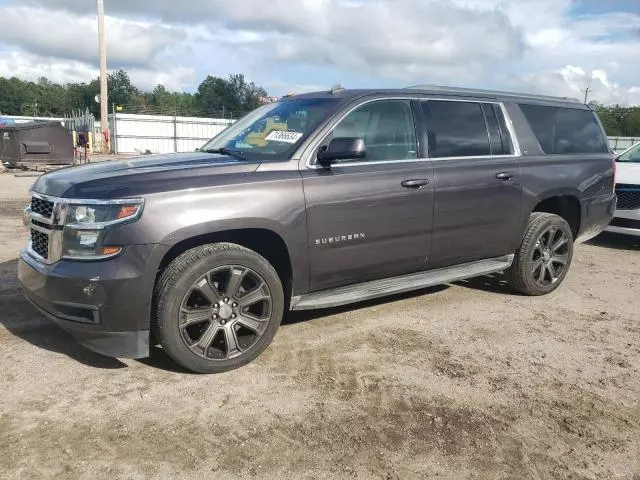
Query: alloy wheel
<point>225,312</point>
<point>550,256</point>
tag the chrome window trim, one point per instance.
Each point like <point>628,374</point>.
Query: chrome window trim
<point>359,163</point>
<point>443,159</point>
<point>517,152</point>
<point>312,165</point>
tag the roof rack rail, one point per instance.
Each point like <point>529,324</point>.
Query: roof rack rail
<point>471,91</point>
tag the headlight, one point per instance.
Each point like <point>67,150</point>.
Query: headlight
<point>102,214</point>
<point>87,225</point>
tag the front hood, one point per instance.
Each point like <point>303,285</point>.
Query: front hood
<point>141,175</point>
<point>628,173</point>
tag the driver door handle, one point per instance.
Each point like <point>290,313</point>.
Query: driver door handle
<point>505,175</point>
<point>415,183</point>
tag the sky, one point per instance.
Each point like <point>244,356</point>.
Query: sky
<point>556,47</point>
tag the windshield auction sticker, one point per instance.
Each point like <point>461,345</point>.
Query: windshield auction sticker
<point>283,136</point>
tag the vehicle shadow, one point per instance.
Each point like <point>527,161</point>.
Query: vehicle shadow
<point>22,320</point>
<point>616,241</point>
<point>299,316</point>
<point>494,283</point>
<point>159,359</point>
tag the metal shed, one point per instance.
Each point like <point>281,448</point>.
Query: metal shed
<point>35,143</point>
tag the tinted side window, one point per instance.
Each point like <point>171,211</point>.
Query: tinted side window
<point>456,129</point>
<point>387,129</point>
<point>565,130</point>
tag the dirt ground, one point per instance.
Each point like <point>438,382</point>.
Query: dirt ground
<point>462,381</point>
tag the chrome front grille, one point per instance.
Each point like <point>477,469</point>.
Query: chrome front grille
<point>43,219</point>
<point>41,206</point>
<point>40,243</point>
<point>628,197</point>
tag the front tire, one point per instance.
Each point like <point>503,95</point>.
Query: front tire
<point>543,259</point>
<point>218,307</point>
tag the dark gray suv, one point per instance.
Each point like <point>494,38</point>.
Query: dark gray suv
<point>315,201</point>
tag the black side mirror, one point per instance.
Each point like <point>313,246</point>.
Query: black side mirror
<point>344,148</point>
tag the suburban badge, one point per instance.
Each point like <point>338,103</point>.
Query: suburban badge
<point>341,238</point>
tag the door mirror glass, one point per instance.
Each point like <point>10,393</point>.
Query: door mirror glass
<point>342,148</point>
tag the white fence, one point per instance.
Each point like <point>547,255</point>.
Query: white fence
<point>620,144</point>
<point>18,119</point>
<point>168,134</point>
<point>162,134</point>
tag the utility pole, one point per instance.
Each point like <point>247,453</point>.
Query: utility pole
<point>104,100</point>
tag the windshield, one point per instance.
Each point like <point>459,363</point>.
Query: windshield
<point>631,155</point>
<point>274,130</point>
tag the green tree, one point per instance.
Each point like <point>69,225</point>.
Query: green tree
<point>121,90</point>
<point>233,96</point>
<point>619,121</point>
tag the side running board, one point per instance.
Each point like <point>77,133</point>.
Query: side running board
<point>405,283</point>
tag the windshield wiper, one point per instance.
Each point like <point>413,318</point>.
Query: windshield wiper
<point>225,151</point>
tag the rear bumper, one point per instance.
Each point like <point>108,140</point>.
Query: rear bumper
<point>597,213</point>
<point>105,305</point>
<point>626,222</point>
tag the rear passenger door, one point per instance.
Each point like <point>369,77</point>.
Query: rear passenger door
<point>477,179</point>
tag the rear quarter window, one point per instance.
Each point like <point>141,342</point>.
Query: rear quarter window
<point>565,130</point>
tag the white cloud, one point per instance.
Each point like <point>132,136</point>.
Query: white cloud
<point>396,33</point>
<point>65,35</point>
<point>533,45</point>
<point>572,81</point>
<point>31,67</point>
<point>173,79</point>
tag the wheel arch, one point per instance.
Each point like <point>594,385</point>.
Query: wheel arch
<point>564,203</point>
<point>265,240</point>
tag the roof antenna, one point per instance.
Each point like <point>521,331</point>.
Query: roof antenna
<point>336,88</point>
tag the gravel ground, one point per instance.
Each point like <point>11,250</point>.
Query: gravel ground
<point>461,381</point>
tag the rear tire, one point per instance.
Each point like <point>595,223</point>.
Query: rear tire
<point>543,259</point>
<point>218,307</point>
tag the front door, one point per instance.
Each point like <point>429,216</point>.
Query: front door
<point>478,186</point>
<point>370,218</point>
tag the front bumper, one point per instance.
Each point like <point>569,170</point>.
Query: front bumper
<point>105,305</point>
<point>626,222</point>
